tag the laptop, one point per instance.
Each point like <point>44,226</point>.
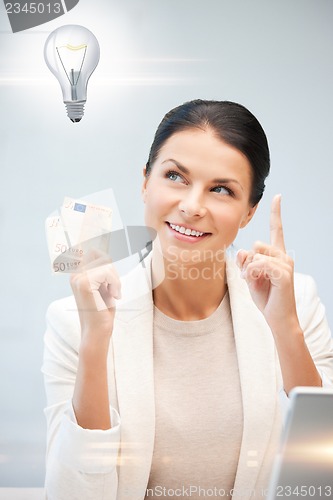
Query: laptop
<point>303,467</point>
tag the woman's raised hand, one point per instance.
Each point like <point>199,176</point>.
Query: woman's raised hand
<point>269,273</point>
<point>95,289</point>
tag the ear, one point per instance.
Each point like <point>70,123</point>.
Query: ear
<point>144,185</point>
<point>246,219</point>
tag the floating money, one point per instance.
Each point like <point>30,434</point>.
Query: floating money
<point>81,230</point>
<point>79,237</point>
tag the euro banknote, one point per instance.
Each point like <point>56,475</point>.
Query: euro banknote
<point>77,235</point>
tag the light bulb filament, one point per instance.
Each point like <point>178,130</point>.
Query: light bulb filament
<point>73,47</point>
<point>74,76</point>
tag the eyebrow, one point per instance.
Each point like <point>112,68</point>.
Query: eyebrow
<point>186,171</point>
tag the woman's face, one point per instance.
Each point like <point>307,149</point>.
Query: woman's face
<point>197,195</point>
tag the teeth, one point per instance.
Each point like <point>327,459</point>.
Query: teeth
<point>183,230</point>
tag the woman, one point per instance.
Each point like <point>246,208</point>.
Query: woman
<point>173,388</point>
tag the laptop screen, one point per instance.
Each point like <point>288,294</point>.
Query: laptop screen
<point>304,465</point>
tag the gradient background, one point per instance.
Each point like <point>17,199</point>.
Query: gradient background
<point>273,56</point>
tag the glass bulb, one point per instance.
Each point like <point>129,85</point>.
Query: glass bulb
<point>72,53</point>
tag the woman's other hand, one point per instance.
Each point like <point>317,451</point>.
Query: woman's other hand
<point>269,273</point>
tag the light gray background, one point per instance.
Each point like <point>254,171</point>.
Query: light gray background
<point>273,56</point>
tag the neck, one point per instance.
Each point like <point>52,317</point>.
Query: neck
<point>189,291</point>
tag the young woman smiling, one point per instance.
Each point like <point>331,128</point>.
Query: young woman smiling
<point>176,389</point>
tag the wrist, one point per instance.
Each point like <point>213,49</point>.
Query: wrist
<point>288,328</point>
<point>94,347</point>
<point>289,336</point>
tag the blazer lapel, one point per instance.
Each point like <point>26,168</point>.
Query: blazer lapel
<point>257,369</point>
<point>134,378</point>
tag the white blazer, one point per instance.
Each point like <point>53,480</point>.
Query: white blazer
<point>115,464</point>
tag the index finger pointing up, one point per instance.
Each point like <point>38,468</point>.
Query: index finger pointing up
<point>276,229</point>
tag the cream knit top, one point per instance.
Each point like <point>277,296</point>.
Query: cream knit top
<point>199,418</point>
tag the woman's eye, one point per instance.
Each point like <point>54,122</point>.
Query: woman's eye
<point>222,190</point>
<point>173,176</point>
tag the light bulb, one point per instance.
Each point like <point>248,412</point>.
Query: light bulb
<point>72,53</point>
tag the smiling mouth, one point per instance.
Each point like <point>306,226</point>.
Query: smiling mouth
<point>186,231</point>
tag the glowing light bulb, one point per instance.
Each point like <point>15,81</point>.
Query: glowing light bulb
<point>72,53</point>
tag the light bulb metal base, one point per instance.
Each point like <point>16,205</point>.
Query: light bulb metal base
<point>75,110</point>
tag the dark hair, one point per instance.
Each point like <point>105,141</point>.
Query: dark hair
<point>231,122</point>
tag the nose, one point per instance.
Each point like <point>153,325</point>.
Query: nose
<point>192,204</point>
